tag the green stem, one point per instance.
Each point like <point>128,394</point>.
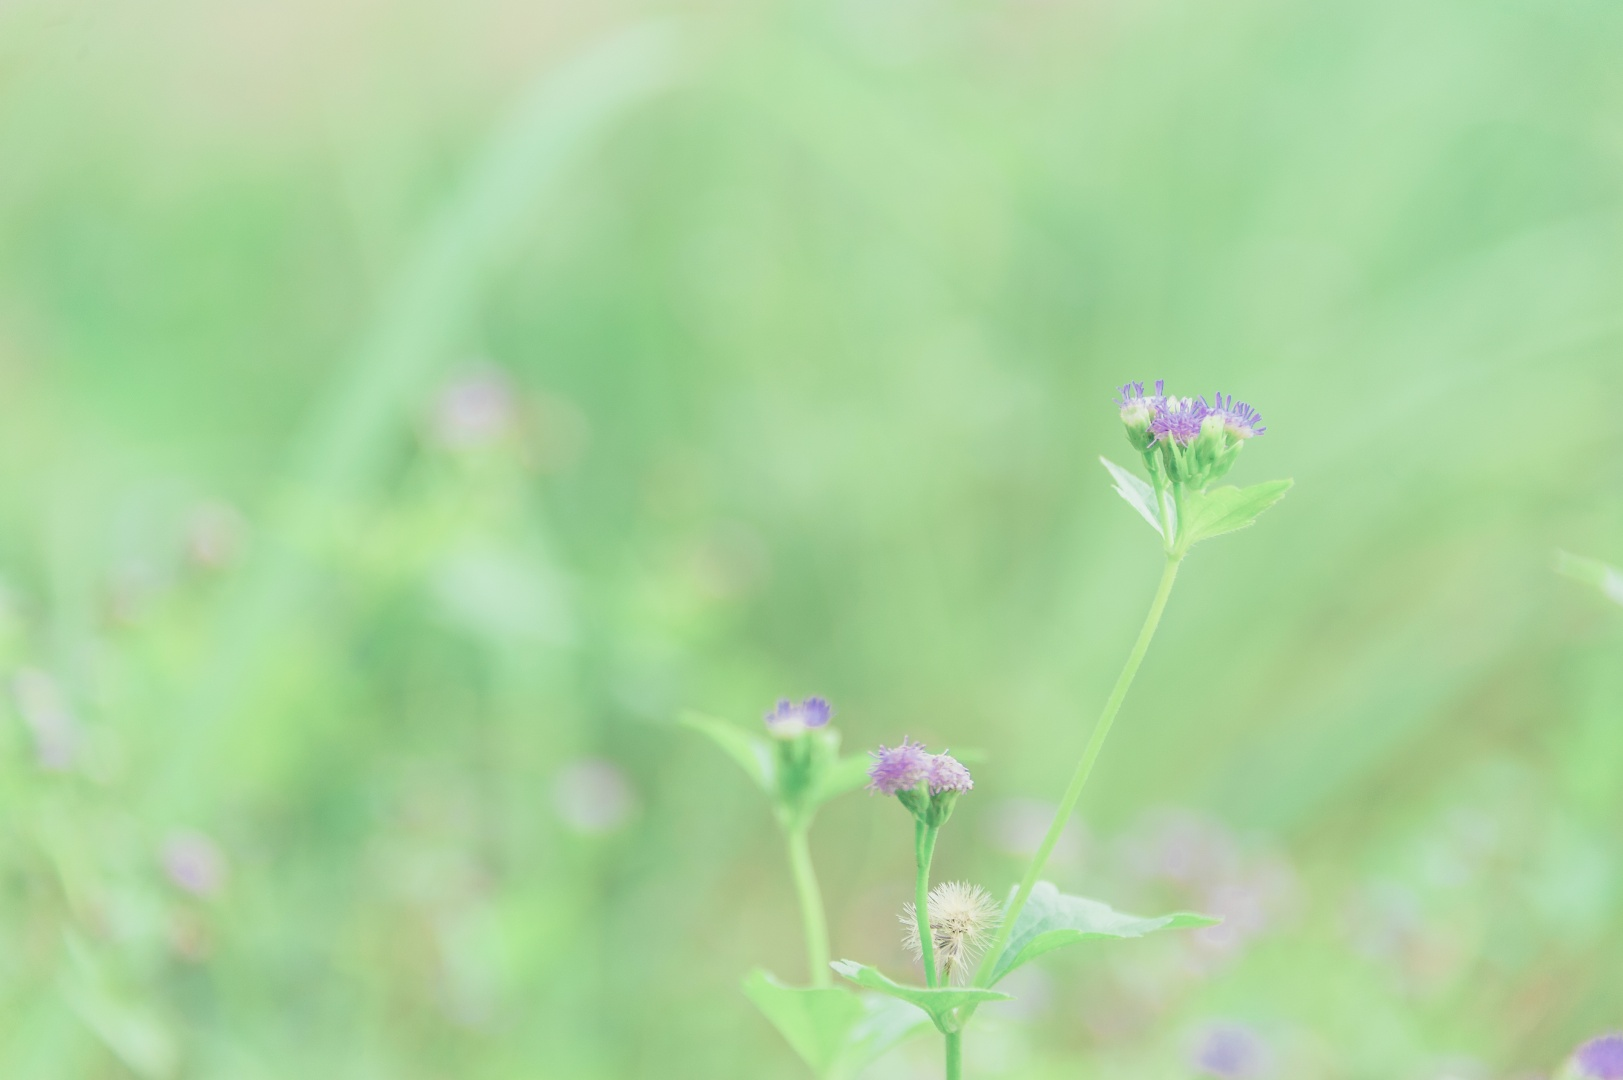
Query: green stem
<point>1083,767</point>
<point>955,1055</point>
<point>811,905</point>
<point>924,847</point>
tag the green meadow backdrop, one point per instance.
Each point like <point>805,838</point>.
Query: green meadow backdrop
<point>408,409</point>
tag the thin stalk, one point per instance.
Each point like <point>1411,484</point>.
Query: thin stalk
<point>812,918</point>
<point>924,844</point>
<point>955,1055</point>
<point>1083,768</point>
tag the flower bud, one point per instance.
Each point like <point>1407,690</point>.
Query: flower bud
<point>1138,412</point>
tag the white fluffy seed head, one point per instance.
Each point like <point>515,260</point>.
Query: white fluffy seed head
<point>962,916</point>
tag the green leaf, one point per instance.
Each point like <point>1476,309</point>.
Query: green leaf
<point>1592,572</point>
<point>1139,495</point>
<point>1225,509</point>
<point>1052,919</point>
<point>753,754</point>
<point>835,1031</point>
<point>844,775</point>
<point>936,1003</point>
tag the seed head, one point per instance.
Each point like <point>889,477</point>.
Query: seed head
<point>962,916</point>
<point>947,773</point>
<point>1601,1058</point>
<point>791,719</point>
<point>898,768</point>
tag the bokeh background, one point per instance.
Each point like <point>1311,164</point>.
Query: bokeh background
<point>409,408</point>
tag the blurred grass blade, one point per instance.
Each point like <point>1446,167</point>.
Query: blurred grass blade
<point>1592,572</point>
<point>338,456</point>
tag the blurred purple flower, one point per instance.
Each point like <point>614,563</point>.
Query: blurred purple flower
<point>1601,1058</point>
<point>947,773</point>
<point>793,718</point>
<point>1230,1052</point>
<point>45,710</point>
<point>897,768</point>
<point>593,796</point>
<point>194,863</point>
<point>475,410</point>
<point>1178,420</point>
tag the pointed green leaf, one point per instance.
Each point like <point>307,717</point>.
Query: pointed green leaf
<point>1592,572</point>
<point>1052,919</point>
<point>835,1031</point>
<point>1139,495</point>
<point>752,753</point>
<point>844,775</point>
<point>1225,509</point>
<point>815,1022</point>
<point>937,1003</point>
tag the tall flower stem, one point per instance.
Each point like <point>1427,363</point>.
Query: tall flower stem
<point>1084,767</point>
<point>924,847</point>
<point>955,1055</point>
<point>814,922</point>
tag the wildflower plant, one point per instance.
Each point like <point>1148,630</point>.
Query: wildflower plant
<point>965,942</point>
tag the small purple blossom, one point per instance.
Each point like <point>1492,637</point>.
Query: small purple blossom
<point>1231,1052</point>
<point>793,718</point>
<point>1178,420</point>
<point>1132,395</point>
<point>898,768</point>
<point>1601,1058</point>
<point>1239,418</point>
<point>947,773</point>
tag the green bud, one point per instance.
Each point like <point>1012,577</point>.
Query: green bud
<point>940,808</point>
<point>1136,417</point>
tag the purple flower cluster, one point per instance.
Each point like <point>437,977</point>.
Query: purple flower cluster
<point>793,718</point>
<point>1179,419</point>
<point>1601,1058</point>
<point>901,768</point>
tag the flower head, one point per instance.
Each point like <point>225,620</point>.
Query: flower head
<point>1178,420</point>
<point>898,768</point>
<point>1239,418</point>
<point>1600,1058</point>
<point>791,719</point>
<point>947,773</point>
<point>961,917</point>
<point>1138,410</point>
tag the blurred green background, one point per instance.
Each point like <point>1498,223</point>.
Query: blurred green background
<point>409,408</point>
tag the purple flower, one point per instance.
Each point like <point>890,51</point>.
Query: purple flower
<point>947,773</point>
<point>1601,1058</point>
<point>1239,418</point>
<point>1132,396</point>
<point>899,768</point>
<point>194,863</point>
<point>1230,1052</point>
<point>791,719</point>
<point>1178,420</point>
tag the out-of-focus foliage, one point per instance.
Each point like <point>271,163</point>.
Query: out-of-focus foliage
<point>410,409</point>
